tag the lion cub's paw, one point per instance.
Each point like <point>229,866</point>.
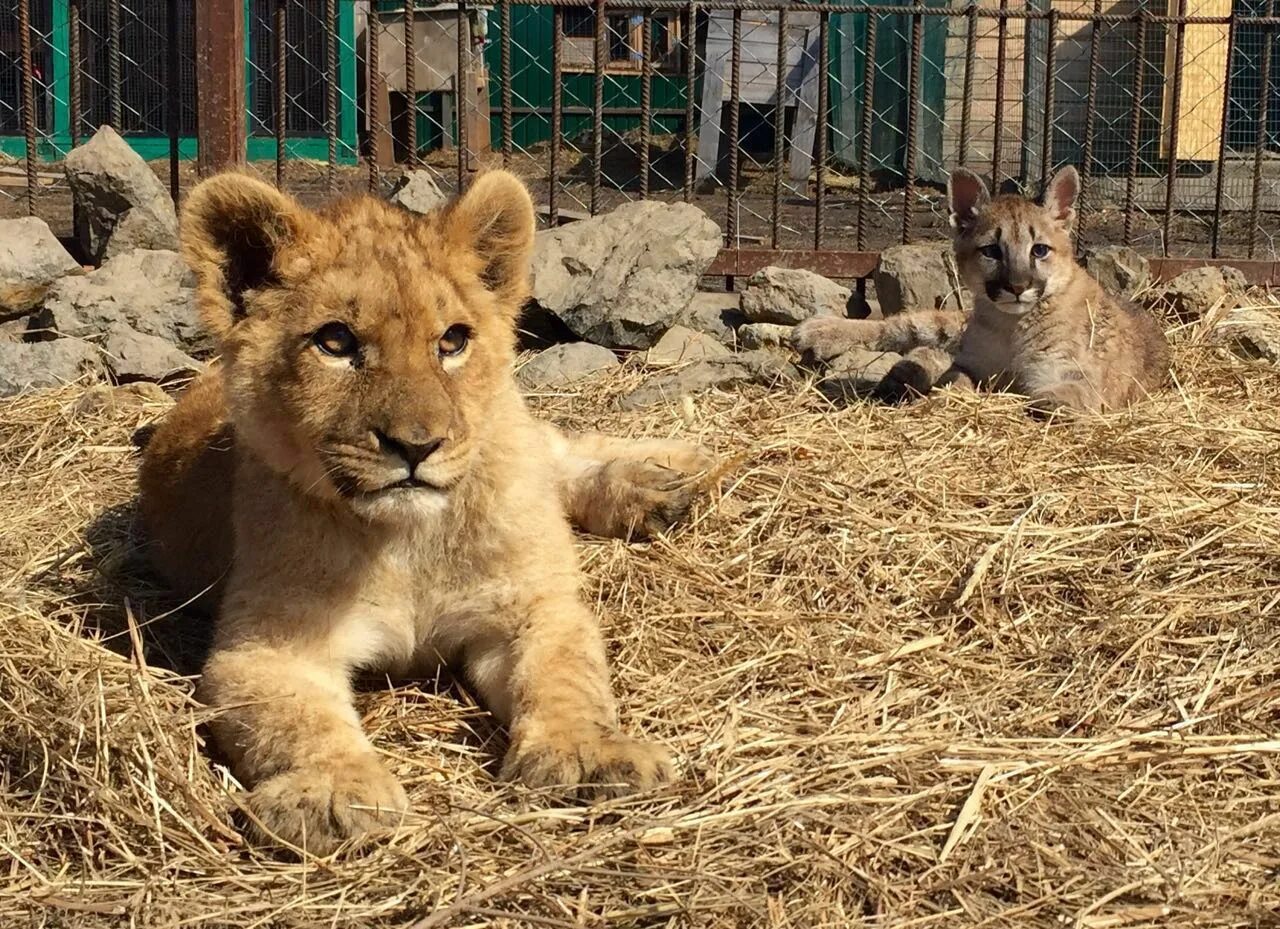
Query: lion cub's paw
<point>825,338</point>
<point>648,498</point>
<point>318,809</point>
<point>595,767</point>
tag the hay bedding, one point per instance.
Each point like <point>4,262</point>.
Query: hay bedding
<point>932,666</point>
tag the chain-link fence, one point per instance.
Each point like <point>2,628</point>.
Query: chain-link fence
<point>824,130</point>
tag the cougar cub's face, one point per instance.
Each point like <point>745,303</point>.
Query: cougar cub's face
<point>1013,252</point>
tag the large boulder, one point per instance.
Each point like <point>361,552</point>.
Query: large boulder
<point>560,365</point>
<point>418,191</point>
<point>1194,293</point>
<point>624,278</point>
<point>134,356</point>
<point>679,345</point>
<point>1120,270</point>
<point>718,314</point>
<point>121,204</point>
<point>789,296</point>
<point>31,259</point>
<point>747,368</point>
<point>28,366</point>
<point>151,292</point>
<point>917,277</point>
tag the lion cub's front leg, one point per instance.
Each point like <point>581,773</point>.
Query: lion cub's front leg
<point>291,733</point>
<point>550,685</point>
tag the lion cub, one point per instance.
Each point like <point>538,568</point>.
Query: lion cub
<point>361,487</point>
<point>1040,324</point>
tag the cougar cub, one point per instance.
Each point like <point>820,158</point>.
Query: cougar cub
<point>1040,324</point>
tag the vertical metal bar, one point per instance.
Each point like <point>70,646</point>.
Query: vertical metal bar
<point>1090,122</point>
<point>73,21</point>
<point>779,127</point>
<point>1135,126</point>
<point>997,144</point>
<point>28,101</point>
<point>691,54</point>
<point>1222,142</point>
<point>913,125</point>
<point>868,123</point>
<point>824,116</point>
<point>411,90</point>
<point>331,90</point>
<point>464,92</point>
<point>282,91</point>
<point>966,97</point>
<point>597,103</point>
<point>506,83</point>
<point>220,104</point>
<point>174,107</point>
<point>1171,168</point>
<point>1260,140</point>
<point>557,113</point>
<point>113,63</point>
<point>735,92</point>
<point>646,99</point>
<point>1050,54</point>
<point>373,86</point>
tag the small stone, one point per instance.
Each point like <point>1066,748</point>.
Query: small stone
<point>918,277</point>
<point>717,314</point>
<point>26,366</point>
<point>116,193</point>
<point>670,386</point>
<point>679,345</point>
<point>31,259</point>
<point>789,296</point>
<point>858,373</point>
<point>134,356</point>
<point>1122,271</point>
<point>565,364</point>
<point>765,335</point>
<point>1194,293</point>
<point>1252,333</point>
<point>418,191</point>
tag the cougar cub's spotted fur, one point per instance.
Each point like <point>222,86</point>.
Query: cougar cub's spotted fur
<point>1040,325</point>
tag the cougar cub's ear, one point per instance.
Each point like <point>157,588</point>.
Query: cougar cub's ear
<point>494,220</point>
<point>1060,196</point>
<point>967,193</point>
<point>234,229</point>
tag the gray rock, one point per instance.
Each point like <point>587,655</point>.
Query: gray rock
<point>765,335</point>
<point>679,345</point>
<point>917,277</point>
<point>749,367</point>
<point>419,192</point>
<point>28,366</point>
<point>31,259</point>
<point>1252,333</point>
<point>148,291</point>
<point>858,373</point>
<point>1194,293</point>
<point>1120,270</point>
<point>789,296</point>
<point>564,364</point>
<point>717,314</point>
<point>13,330</point>
<point>116,193</point>
<point>133,356</point>
<point>623,278</point>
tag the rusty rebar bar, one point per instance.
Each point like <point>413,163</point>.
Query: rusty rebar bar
<point>1135,127</point>
<point>690,73</point>
<point>997,144</point>
<point>735,97</point>
<point>868,125</point>
<point>1050,54</point>
<point>113,64</point>
<point>913,126</point>
<point>1260,138</point>
<point>373,88</point>
<point>463,102</point>
<point>1175,116</point>
<point>331,92</point>
<point>173,108</point>
<point>597,103</point>
<point>779,128</point>
<point>824,117</point>
<point>646,99</point>
<point>1218,188</point>
<point>282,89</point>
<point>74,53</point>
<point>966,96</point>
<point>1090,124</point>
<point>506,84</point>
<point>411,89</point>
<point>557,114</point>
<point>28,101</point>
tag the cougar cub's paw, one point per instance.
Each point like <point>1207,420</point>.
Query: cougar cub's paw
<point>825,338</point>
<point>907,380</point>
<point>319,809</point>
<point>591,765</point>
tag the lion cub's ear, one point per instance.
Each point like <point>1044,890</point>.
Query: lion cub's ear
<point>494,220</point>
<point>234,229</point>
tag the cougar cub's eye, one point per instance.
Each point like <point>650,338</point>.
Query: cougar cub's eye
<point>454,340</point>
<point>1040,251</point>
<point>992,251</point>
<point>336,339</point>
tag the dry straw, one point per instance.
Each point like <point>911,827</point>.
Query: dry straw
<point>934,666</point>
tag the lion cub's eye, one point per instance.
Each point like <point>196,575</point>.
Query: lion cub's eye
<point>1040,251</point>
<point>454,340</point>
<point>992,251</point>
<point>336,339</point>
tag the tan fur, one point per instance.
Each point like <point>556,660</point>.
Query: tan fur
<point>1040,325</point>
<point>273,485</point>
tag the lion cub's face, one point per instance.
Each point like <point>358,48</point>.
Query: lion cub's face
<point>1012,251</point>
<point>362,345</point>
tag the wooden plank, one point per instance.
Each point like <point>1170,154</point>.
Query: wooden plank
<point>713,81</point>
<point>1204,84</point>
<point>220,93</point>
<point>805,130</point>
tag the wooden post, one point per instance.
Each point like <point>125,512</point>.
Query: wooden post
<point>220,92</point>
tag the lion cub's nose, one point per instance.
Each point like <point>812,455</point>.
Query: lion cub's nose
<point>414,446</point>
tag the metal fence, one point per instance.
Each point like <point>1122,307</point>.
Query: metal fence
<point>815,134</point>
